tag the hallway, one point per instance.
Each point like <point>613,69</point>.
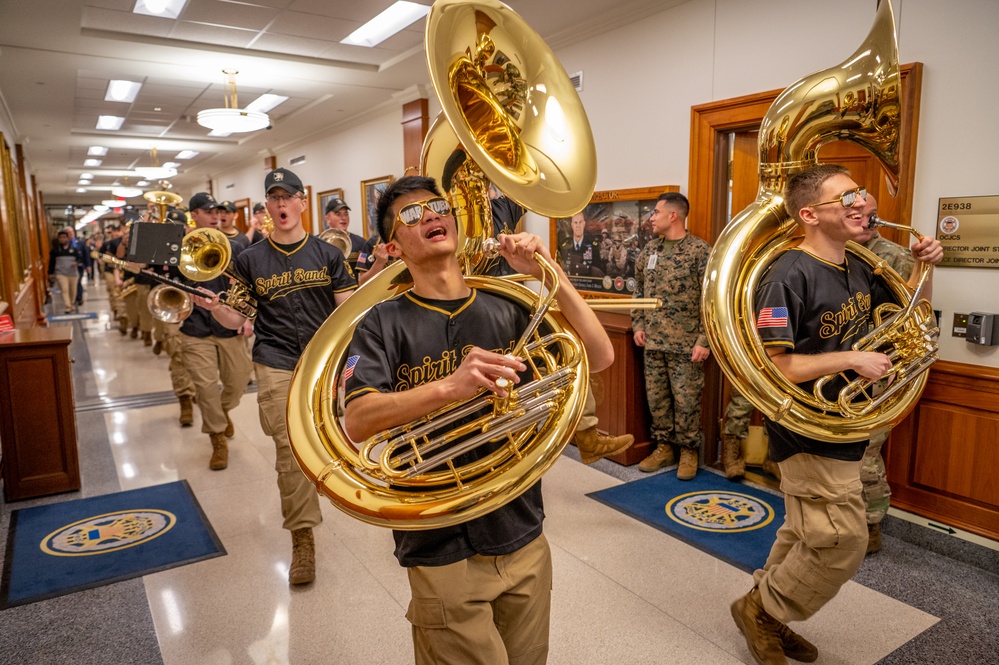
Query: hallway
<point>623,592</point>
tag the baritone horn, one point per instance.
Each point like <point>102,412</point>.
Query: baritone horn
<point>512,117</point>
<point>860,101</point>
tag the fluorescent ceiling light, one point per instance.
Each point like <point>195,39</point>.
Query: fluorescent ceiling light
<point>91,162</point>
<point>122,91</point>
<point>161,8</point>
<point>97,150</point>
<point>397,17</point>
<point>187,154</point>
<point>266,102</point>
<point>112,122</point>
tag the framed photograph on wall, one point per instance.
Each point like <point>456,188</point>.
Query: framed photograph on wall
<point>370,191</point>
<point>597,246</point>
<point>323,198</point>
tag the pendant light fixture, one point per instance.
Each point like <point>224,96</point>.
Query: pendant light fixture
<point>231,119</point>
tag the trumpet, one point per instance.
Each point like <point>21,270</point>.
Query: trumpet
<point>169,304</point>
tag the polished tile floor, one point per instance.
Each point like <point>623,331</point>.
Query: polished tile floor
<point>623,592</point>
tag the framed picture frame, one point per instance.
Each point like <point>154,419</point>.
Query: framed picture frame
<point>597,246</point>
<point>370,191</point>
<point>323,198</point>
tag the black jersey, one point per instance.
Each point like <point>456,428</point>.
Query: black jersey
<point>811,306</point>
<point>110,248</point>
<point>238,241</point>
<point>295,287</point>
<point>408,341</point>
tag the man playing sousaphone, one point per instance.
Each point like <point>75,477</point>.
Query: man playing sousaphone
<point>481,590</point>
<point>812,305</point>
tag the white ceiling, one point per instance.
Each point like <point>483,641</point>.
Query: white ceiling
<point>57,56</point>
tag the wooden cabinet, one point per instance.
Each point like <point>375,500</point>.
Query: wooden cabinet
<point>620,390</point>
<point>37,420</point>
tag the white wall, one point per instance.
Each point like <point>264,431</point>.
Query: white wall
<point>641,80</point>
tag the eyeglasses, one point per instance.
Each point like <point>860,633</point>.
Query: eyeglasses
<point>412,213</point>
<point>847,198</point>
<point>281,199</point>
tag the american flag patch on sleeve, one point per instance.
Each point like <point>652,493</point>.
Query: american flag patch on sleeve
<point>772,317</point>
<point>348,369</point>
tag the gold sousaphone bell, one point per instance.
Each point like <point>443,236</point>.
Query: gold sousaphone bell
<point>514,113</point>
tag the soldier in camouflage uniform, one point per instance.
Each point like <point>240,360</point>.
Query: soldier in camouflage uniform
<point>671,267</point>
<point>877,494</point>
<point>734,431</point>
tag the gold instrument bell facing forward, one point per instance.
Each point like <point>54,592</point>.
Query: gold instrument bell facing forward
<point>513,117</point>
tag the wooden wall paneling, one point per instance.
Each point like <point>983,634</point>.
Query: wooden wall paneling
<point>943,459</point>
<point>414,129</point>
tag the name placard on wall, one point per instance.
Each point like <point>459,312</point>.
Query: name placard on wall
<point>968,229</point>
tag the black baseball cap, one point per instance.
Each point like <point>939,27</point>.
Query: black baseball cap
<point>177,217</point>
<point>258,207</point>
<point>334,205</point>
<point>228,206</point>
<point>202,201</point>
<point>284,179</point>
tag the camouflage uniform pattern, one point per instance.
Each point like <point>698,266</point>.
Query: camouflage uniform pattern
<point>673,383</point>
<point>737,415</point>
<point>877,493</point>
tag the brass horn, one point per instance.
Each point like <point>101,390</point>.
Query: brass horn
<point>338,238</point>
<point>858,100</point>
<point>204,255</point>
<point>516,116</point>
<point>169,304</point>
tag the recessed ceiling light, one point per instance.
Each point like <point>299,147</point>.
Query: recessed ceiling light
<point>122,91</point>
<point>397,17</point>
<point>161,8</point>
<point>86,176</point>
<point>81,190</point>
<point>91,162</point>
<point>111,122</point>
<point>266,102</point>
<point>97,150</point>
<point>187,154</point>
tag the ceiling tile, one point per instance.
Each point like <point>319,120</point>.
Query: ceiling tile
<point>211,34</point>
<point>243,15</point>
<point>292,45</point>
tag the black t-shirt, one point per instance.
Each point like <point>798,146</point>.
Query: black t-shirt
<point>408,341</point>
<point>811,306</point>
<point>295,287</point>
<point>238,241</point>
<point>110,247</point>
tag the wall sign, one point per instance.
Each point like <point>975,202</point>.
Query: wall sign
<point>968,229</point>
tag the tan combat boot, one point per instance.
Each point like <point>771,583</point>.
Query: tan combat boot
<point>795,646</point>
<point>688,464</point>
<point>147,338</point>
<point>230,429</point>
<point>759,628</point>
<point>134,334</point>
<point>735,466</point>
<point>157,348</point>
<point>303,557</point>
<point>873,538</point>
<point>220,452</point>
<point>593,445</point>
<point>123,325</point>
<point>186,411</point>
<point>660,457</point>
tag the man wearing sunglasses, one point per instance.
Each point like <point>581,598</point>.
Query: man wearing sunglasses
<point>481,590</point>
<point>814,302</point>
<point>297,280</point>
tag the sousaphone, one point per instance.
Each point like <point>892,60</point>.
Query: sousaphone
<point>513,117</point>
<point>858,100</point>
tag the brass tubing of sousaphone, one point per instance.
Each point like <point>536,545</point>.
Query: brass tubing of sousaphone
<point>858,100</point>
<point>485,112</point>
